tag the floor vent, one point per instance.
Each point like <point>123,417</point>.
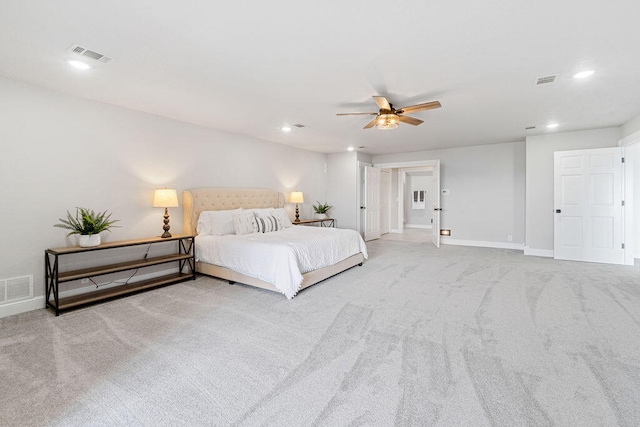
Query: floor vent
<point>83,51</point>
<point>546,80</point>
<point>16,289</point>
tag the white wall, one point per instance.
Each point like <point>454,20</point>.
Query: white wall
<point>418,217</point>
<point>539,180</point>
<point>630,127</point>
<point>60,152</point>
<point>342,188</point>
<point>486,184</point>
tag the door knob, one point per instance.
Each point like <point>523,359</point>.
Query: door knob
<point>558,210</point>
<point>363,207</point>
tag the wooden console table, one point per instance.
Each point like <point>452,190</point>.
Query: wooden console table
<point>324,222</point>
<point>184,256</point>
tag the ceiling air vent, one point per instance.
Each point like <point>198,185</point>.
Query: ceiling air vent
<point>529,128</point>
<point>298,125</point>
<point>83,51</point>
<point>546,80</point>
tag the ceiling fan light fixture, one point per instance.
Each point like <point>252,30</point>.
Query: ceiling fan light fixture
<point>387,121</point>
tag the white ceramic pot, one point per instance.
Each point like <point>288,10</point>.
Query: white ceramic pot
<point>88,241</point>
<point>321,216</point>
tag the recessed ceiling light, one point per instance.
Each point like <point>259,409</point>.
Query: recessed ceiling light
<point>286,128</point>
<point>583,74</point>
<point>350,148</point>
<point>78,64</point>
<point>552,125</point>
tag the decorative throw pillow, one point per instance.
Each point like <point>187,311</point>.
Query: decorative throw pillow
<point>245,223</point>
<point>282,217</point>
<point>217,223</point>
<point>267,224</point>
<point>262,212</point>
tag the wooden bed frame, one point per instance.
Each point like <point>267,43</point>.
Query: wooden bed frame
<point>197,200</point>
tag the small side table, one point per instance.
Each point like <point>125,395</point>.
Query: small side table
<point>324,222</point>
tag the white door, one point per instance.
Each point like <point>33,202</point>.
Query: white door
<point>588,205</point>
<point>385,197</point>
<point>371,203</point>
<point>436,205</point>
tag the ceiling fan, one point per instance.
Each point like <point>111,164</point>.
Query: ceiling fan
<point>389,118</point>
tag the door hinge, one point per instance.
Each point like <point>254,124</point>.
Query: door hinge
<point>623,246</point>
<point>623,160</point>
<point>623,203</point>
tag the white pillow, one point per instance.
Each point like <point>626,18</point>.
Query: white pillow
<point>244,223</point>
<point>267,224</point>
<point>262,213</point>
<point>216,223</point>
<point>283,218</point>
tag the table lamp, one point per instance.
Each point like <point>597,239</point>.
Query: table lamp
<point>165,198</point>
<point>297,197</point>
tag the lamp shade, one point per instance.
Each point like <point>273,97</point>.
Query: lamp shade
<point>387,121</point>
<point>297,197</point>
<point>165,198</point>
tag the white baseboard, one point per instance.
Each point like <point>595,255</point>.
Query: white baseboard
<point>21,306</point>
<point>418,226</point>
<point>548,253</point>
<point>482,244</point>
<point>39,302</point>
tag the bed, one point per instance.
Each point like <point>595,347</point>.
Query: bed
<point>295,271</point>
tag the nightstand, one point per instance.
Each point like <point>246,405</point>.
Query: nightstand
<point>324,222</point>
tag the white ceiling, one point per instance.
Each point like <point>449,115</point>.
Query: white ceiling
<point>248,67</point>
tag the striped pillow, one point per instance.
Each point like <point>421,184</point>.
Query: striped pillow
<point>267,224</point>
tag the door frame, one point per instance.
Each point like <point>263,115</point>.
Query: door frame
<point>585,210</point>
<point>631,150</point>
<point>432,164</point>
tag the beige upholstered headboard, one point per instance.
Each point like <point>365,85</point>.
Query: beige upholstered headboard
<point>197,200</point>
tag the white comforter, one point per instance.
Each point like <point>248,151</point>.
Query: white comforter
<point>280,257</point>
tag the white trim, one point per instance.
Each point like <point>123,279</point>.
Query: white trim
<point>548,253</point>
<point>418,226</point>
<point>482,244</point>
<point>399,165</point>
<point>21,306</point>
<point>395,230</point>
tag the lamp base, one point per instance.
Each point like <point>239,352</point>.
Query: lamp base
<point>166,226</point>
<point>297,214</point>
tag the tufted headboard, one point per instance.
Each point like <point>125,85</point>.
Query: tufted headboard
<point>197,200</point>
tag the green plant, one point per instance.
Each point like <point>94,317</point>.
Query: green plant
<point>322,208</point>
<point>86,221</point>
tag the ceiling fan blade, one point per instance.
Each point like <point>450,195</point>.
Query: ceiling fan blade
<point>410,120</point>
<point>420,107</point>
<point>356,114</point>
<point>371,124</point>
<point>382,102</point>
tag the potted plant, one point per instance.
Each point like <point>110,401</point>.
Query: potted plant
<point>321,210</point>
<point>88,225</point>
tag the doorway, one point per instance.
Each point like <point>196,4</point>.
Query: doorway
<point>588,199</point>
<point>413,201</point>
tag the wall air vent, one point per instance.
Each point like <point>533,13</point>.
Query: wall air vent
<point>16,289</point>
<point>546,80</point>
<point>84,52</point>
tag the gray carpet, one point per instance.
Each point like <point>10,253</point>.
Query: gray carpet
<point>417,336</point>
